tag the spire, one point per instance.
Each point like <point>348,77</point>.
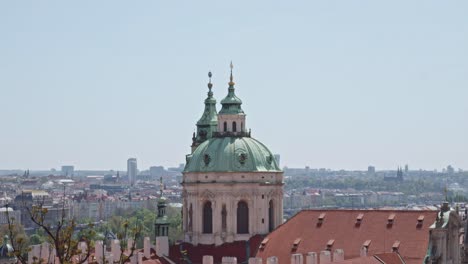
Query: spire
<point>231,82</point>
<point>231,103</point>
<point>161,187</point>
<point>207,124</point>
<point>210,85</point>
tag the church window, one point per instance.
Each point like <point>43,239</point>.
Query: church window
<point>242,218</point>
<point>225,126</point>
<point>207,218</point>
<point>271,223</point>
<point>234,127</point>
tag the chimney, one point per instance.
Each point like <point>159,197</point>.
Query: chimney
<point>34,253</point>
<point>162,246</point>
<point>255,260</point>
<point>297,259</point>
<point>311,258</point>
<point>84,250</point>
<point>338,255</point>
<point>140,257</point>
<point>147,247</point>
<point>130,244</point>
<point>134,259</point>
<point>325,257</point>
<point>272,260</point>
<point>229,260</point>
<point>207,259</point>
<point>99,249</point>
<point>115,250</point>
<point>45,250</point>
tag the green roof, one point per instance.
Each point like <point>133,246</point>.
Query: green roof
<point>231,154</point>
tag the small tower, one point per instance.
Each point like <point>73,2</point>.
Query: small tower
<point>6,252</point>
<point>161,227</point>
<point>208,123</point>
<point>231,117</point>
<point>399,174</point>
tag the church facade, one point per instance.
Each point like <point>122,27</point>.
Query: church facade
<point>232,184</point>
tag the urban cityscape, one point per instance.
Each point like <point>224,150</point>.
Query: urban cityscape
<point>383,176</point>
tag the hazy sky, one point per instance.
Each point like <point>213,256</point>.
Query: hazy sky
<point>334,84</point>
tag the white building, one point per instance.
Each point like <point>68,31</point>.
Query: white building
<point>132,171</point>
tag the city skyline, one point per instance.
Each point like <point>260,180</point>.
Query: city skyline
<point>338,91</point>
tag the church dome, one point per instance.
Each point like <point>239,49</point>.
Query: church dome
<point>231,154</point>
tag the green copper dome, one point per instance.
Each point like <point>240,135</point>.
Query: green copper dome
<point>231,154</point>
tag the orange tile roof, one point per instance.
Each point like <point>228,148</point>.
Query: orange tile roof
<point>340,226</point>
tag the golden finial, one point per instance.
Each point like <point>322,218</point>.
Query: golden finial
<point>231,82</point>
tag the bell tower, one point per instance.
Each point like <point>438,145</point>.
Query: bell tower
<point>231,117</point>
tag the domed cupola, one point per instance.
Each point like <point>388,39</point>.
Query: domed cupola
<point>231,117</point>
<point>208,123</point>
<point>6,251</point>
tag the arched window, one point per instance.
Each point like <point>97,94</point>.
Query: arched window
<point>242,218</point>
<point>234,127</point>
<point>242,127</point>
<point>207,218</point>
<point>271,222</point>
<point>225,126</point>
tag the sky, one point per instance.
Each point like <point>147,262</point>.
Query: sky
<point>326,84</point>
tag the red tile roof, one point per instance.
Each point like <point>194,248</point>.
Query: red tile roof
<point>340,226</point>
<point>236,249</point>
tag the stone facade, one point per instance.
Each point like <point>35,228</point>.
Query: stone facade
<point>224,191</point>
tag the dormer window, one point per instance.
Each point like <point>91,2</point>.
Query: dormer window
<point>359,219</point>
<point>390,220</point>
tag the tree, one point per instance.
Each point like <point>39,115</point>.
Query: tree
<point>18,238</point>
<point>63,234</point>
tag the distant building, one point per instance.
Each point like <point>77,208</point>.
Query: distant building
<point>8,212</point>
<point>450,169</point>
<point>68,170</point>
<point>156,171</point>
<point>371,170</point>
<point>132,171</point>
<point>406,168</point>
<point>398,178</point>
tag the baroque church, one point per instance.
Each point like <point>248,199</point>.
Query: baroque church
<point>232,184</point>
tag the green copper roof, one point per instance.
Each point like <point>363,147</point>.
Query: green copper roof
<point>231,154</point>
<point>209,116</point>
<point>209,121</point>
<point>231,104</point>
